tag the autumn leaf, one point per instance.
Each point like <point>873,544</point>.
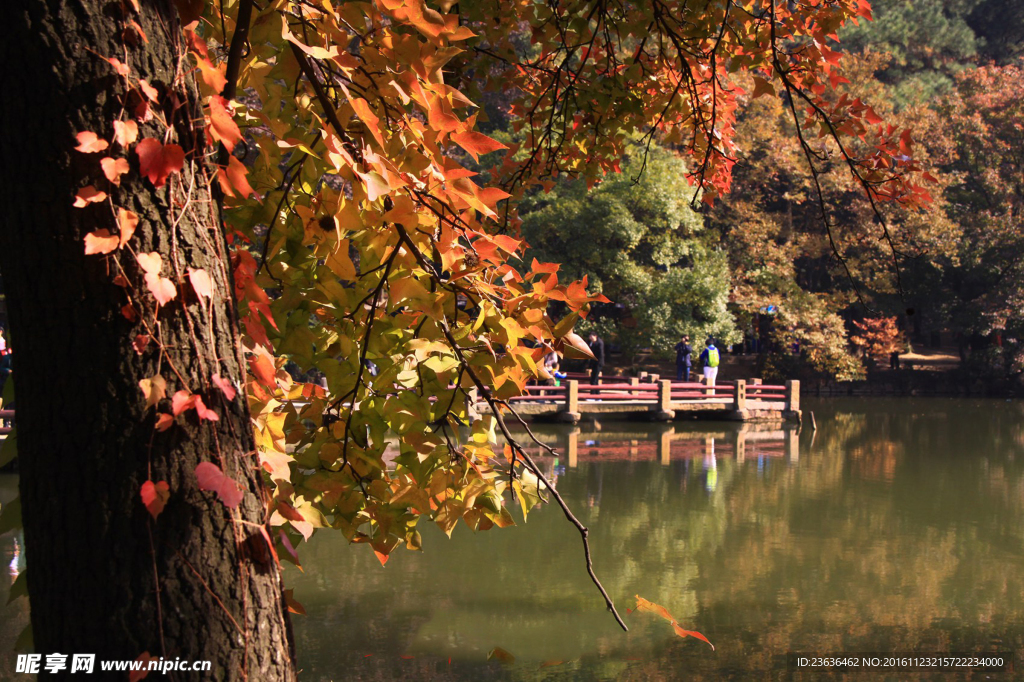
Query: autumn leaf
<point>222,123</point>
<point>574,340</point>
<point>114,168</point>
<point>121,68</point>
<point>155,496</point>
<point>691,633</point>
<point>140,342</point>
<point>126,132</point>
<point>225,386</point>
<point>162,288</point>
<point>499,654</point>
<point>233,179</point>
<point>158,160</point>
<point>154,389</point>
<point>127,221</point>
<point>201,283</point>
<point>476,143</point>
<point>181,401</point>
<point>100,241</point>
<point>90,143</point>
<point>264,370</point>
<point>163,421</point>
<point>88,195</point>
<point>204,412</point>
<point>211,478</point>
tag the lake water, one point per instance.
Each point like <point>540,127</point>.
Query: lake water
<point>896,526</point>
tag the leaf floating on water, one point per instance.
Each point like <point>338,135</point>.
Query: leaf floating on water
<point>659,610</point>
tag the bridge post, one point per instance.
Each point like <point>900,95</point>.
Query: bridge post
<point>755,382</point>
<point>571,413</point>
<point>792,446</point>
<point>634,381</point>
<point>739,398</point>
<point>741,446</point>
<point>792,395</point>
<point>572,444</point>
<point>665,411</point>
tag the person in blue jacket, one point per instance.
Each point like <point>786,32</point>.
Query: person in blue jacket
<point>709,360</point>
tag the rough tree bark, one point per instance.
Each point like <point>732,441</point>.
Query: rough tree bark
<point>103,576</point>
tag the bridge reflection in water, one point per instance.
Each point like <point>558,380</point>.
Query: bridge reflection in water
<point>609,442</point>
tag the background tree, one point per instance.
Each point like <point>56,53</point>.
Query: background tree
<point>643,246</point>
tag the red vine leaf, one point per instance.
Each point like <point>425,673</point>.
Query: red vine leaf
<point>127,221</point>
<point>90,143</point>
<point>126,132</point>
<point>88,195</point>
<point>155,496</point>
<point>157,160</point>
<point>162,288</point>
<point>100,241</point>
<point>140,343</point>
<point>225,385</point>
<point>114,168</point>
<point>205,412</point>
<point>148,90</point>
<point>263,368</point>
<point>211,478</point>
<point>163,422</point>
<point>121,68</point>
<point>201,282</point>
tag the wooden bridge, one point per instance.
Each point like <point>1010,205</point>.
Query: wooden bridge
<point>662,400</point>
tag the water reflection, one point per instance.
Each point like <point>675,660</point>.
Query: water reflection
<point>896,526</point>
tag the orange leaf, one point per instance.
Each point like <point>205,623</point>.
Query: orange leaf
<point>122,69</point>
<point>90,143</point>
<point>155,496</point>
<point>762,87</point>
<point>163,422</point>
<point>88,195</point>
<point>211,478</point>
<point>114,168</point>
<point>201,282</point>
<point>181,401</point>
<point>232,179</point>
<point>264,370</point>
<point>126,132</point>
<point>477,143</point>
<point>367,116</point>
<point>691,633</point>
<point>151,93</point>
<point>100,241</point>
<point>574,340</point>
<point>157,160</point>
<point>376,186</point>
<point>127,221</point>
<point>650,607</point>
<point>222,123</point>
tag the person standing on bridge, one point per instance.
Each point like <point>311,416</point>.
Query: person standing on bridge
<point>709,360</point>
<point>683,363</point>
<point>597,364</point>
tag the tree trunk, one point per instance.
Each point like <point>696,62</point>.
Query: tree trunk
<point>199,582</point>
